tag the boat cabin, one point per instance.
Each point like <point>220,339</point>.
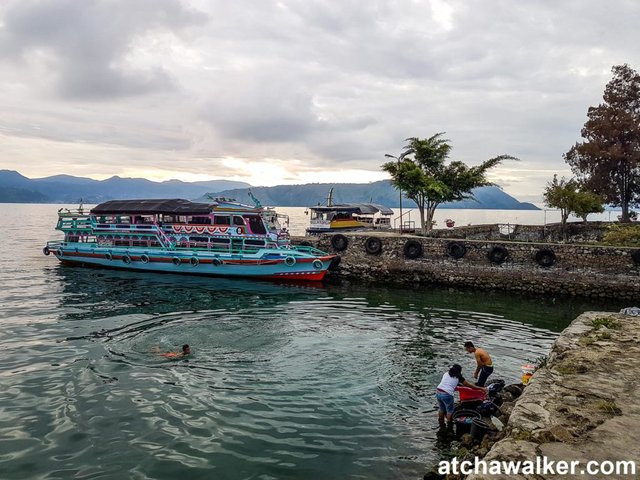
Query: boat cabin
<point>349,216</point>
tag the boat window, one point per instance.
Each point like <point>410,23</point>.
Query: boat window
<point>272,223</point>
<point>222,220</point>
<point>218,240</point>
<point>238,220</point>
<point>200,221</point>
<point>255,225</point>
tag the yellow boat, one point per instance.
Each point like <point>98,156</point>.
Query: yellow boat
<point>347,217</point>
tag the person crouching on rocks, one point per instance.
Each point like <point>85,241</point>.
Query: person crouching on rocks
<point>444,393</point>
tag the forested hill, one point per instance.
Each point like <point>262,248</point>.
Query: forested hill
<point>381,192</point>
<point>16,188</point>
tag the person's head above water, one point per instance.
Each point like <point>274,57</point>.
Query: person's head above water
<point>469,347</point>
<point>186,350</point>
<point>455,370</point>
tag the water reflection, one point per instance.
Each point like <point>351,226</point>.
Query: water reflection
<point>93,293</point>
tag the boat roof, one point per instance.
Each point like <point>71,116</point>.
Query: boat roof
<point>361,208</point>
<point>152,206</point>
<point>172,206</point>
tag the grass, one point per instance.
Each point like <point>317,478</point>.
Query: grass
<point>539,362</point>
<point>586,341</point>
<point>608,322</point>
<point>567,369</point>
<point>523,434</point>
<point>608,406</point>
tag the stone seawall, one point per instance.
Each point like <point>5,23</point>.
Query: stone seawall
<point>583,404</point>
<point>583,270</point>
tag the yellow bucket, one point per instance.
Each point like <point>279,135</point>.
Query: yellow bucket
<point>527,372</point>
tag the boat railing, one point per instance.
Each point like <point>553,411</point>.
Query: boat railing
<point>309,250</point>
<point>71,222</point>
<point>164,240</point>
<point>404,225</point>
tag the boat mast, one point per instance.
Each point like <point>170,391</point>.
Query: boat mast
<point>330,198</point>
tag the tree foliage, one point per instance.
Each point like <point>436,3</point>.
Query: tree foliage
<point>424,176</point>
<point>607,162</point>
<point>566,196</point>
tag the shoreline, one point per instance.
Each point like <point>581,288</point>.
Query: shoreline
<point>570,269</point>
<point>582,404</point>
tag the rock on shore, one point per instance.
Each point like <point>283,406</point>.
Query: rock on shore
<point>584,403</point>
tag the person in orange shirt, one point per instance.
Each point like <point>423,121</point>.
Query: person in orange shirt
<point>186,350</point>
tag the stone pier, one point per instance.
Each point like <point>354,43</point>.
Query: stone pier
<point>589,270</point>
<point>584,404</point>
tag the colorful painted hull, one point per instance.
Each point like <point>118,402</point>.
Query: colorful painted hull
<point>276,264</point>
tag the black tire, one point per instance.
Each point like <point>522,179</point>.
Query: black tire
<point>177,261</point>
<point>373,245</point>
<point>456,250</point>
<point>46,251</point>
<point>635,256</point>
<point>144,258</point>
<point>412,249</point>
<point>545,257</point>
<point>498,254</point>
<point>339,242</point>
<point>126,259</point>
<point>194,261</point>
<point>334,263</point>
<point>317,264</point>
<point>216,262</point>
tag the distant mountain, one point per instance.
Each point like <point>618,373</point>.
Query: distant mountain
<point>381,192</point>
<point>15,187</point>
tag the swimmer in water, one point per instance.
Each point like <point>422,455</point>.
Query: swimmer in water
<point>186,350</point>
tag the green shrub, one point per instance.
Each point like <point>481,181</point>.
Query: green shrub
<point>623,235</point>
<point>608,406</point>
<point>608,322</point>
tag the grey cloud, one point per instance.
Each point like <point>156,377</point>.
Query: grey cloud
<point>85,43</point>
<point>323,84</point>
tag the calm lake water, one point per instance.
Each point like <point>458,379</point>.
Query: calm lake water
<point>286,381</point>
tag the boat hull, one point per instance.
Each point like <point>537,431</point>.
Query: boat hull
<point>273,265</point>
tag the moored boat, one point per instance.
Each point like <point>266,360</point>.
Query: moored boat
<point>222,238</point>
<point>343,217</point>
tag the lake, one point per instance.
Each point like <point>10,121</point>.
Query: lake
<point>285,381</point>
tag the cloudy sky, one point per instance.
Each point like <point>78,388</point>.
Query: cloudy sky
<point>276,92</point>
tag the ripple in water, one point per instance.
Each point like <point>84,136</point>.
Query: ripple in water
<point>284,381</point>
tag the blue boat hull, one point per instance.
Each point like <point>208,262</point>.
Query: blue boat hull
<point>283,264</point>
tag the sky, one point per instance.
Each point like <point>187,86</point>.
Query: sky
<point>301,91</point>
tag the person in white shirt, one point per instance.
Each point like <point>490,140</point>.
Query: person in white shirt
<point>444,393</point>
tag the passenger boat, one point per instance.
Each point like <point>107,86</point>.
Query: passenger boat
<point>347,217</point>
<point>222,238</point>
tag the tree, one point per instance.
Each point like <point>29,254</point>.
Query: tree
<point>566,196</point>
<point>561,194</point>
<point>587,203</point>
<point>423,174</point>
<point>608,161</point>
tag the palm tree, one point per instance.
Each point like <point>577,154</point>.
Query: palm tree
<point>423,174</point>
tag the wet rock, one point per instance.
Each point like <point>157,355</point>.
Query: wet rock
<point>515,389</point>
<point>466,440</point>
<point>432,475</point>
<point>573,400</point>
